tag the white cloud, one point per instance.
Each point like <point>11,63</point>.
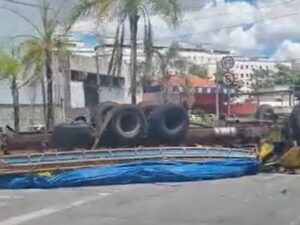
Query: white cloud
<point>202,25</point>
<point>288,50</point>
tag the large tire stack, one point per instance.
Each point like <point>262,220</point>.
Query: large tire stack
<point>129,125</point>
<point>168,124</point>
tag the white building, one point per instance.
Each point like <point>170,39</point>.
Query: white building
<point>244,69</point>
<point>202,56</point>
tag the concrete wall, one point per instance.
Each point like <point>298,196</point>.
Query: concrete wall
<point>28,116</point>
<point>88,64</point>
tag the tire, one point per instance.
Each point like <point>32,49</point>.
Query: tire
<point>102,111</point>
<point>70,136</point>
<point>147,107</point>
<point>168,123</point>
<point>264,112</point>
<point>80,119</point>
<point>128,124</point>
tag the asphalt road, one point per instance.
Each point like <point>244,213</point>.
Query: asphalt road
<point>263,199</point>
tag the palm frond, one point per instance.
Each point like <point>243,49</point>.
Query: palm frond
<point>99,8</point>
<point>10,66</point>
<point>169,10</point>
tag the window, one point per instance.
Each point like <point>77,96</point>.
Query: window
<point>78,75</point>
<point>175,88</point>
<point>208,59</point>
<point>242,75</point>
<point>242,67</point>
<point>252,66</point>
<point>260,67</point>
<point>194,57</point>
<point>247,75</point>
<point>247,67</point>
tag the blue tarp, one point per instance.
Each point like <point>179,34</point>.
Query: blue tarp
<point>138,172</point>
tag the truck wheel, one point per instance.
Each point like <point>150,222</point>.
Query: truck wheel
<point>169,123</point>
<point>102,111</point>
<point>147,107</point>
<point>129,123</point>
<point>265,112</point>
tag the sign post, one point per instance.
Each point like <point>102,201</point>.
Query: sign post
<point>227,63</point>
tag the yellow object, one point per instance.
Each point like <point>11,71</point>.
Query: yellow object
<point>45,174</point>
<point>276,134</point>
<point>291,159</point>
<point>265,150</point>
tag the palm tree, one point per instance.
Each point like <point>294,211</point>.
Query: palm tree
<point>12,69</point>
<point>39,49</point>
<point>132,11</point>
<point>171,59</point>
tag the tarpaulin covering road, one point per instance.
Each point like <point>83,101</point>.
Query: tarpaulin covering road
<point>138,172</point>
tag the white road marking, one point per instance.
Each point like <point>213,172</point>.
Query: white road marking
<point>16,220</point>
<point>10,197</point>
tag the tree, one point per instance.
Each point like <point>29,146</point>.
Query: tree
<point>12,69</point>
<point>167,59</point>
<point>198,70</point>
<point>131,11</point>
<point>283,75</point>
<point>262,78</point>
<point>39,49</point>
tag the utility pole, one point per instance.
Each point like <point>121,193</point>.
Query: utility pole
<point>217,99</point>
<point>98,74</point>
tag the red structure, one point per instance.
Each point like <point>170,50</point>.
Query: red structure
<point>242,109</point>
<point>201,94</point>
<point>207,102</point>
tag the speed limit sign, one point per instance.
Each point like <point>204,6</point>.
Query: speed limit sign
<point>228,78</point>
<point>227,62</point>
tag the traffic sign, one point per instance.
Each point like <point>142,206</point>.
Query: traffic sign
<point>228,78</point>
<point>227,62</point>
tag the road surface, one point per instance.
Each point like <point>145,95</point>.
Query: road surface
<point>262,199</point>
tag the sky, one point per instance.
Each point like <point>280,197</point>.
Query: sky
<point>253,27</point>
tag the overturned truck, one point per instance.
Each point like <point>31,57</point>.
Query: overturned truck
<point>114,125</point>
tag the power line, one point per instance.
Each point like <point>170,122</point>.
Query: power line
<point>22,3</point>
<point>233,26</point>
<point>266,6</point>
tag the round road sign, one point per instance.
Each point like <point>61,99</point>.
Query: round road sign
<point>227,62</point>
<point>228,78</point>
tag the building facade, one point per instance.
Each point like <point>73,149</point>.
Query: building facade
<point>244,69</point>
